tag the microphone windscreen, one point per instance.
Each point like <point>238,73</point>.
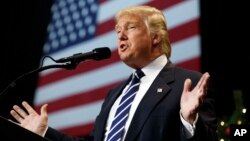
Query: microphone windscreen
<point>102,53</point>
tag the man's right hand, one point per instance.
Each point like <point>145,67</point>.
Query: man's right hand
<point>31,120</point>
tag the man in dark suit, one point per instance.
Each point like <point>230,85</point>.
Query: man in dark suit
<point>169,103</point>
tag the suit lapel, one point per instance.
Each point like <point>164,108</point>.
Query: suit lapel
<point>158,90</point>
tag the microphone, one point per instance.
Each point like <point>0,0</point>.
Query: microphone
<point>95,54</point>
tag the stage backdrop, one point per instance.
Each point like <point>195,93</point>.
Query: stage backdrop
<point>75,96</point>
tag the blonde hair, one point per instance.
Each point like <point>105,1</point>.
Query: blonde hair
<point>155,21</point>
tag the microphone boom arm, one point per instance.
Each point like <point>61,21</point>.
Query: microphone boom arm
<point>68,66</point>
<point>71,63</point>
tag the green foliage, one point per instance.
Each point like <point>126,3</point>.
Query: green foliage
<point>237,117</point>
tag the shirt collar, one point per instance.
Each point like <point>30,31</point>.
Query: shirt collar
<point>155,66</point>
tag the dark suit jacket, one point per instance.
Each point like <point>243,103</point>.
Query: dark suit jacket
<point>157,117</point>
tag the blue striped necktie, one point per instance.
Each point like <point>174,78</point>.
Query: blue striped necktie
<point>122,112</point>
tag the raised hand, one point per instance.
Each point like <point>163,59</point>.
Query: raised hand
<point>191,100</point>
<point>31,120</point>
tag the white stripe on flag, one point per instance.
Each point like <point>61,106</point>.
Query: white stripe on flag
<point>181,13</point>
<point>186,49</point>
<point>75,116</point>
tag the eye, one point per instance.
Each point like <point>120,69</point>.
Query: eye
<point>131,27</point>
<point>117,30</point>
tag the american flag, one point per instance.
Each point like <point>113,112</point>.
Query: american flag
<point>75,96</point>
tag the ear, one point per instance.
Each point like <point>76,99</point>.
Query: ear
<point>156,39</point>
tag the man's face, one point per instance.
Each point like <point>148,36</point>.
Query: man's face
<point>134,41</point>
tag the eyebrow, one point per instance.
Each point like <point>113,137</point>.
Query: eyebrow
<point>116,27</point>
<point>126,24</point>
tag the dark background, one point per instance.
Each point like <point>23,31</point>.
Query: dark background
<point>224,44</point>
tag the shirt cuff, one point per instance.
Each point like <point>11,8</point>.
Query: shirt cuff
<point>189,129</point>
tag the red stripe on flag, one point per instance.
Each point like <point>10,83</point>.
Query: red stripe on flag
<point>193,64</point>
<point>79,99</point>
<point>102,1</point>
<point>80,130</point>
<point>105,27</point>
<point>161,5</point>
<point>185,30</point>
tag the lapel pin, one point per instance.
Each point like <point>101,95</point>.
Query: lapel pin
<point>159,90</point>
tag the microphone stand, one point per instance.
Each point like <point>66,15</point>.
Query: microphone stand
<point>68,66</point>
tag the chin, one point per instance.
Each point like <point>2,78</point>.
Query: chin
<point>127,59</point>
<point>130,63</point>
<point>123,57</point>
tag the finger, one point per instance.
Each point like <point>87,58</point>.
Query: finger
<point>200,81</point>
<point>204,83</point>
<point>20,111</point>
<point>13,121</point>
<point>202,91</point>
<point>16,116</point>
<point>44,110</point>
<point>203,80</point>
<point>202,98</point>
<point>187,85</point>
<point>28,108</point>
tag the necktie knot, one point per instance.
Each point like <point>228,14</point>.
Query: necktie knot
<point>139,73</point>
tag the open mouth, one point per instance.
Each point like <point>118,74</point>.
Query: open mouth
<point>123,47</point>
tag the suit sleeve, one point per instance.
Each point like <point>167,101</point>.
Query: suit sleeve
<point>55,135</point>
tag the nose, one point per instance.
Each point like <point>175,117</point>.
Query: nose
<point>122,35</point>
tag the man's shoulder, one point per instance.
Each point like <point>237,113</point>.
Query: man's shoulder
<point>182,72</point>
<point>187,71</point>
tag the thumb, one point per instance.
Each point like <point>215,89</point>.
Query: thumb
<point>187,85</point>
<point>44,109</point>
